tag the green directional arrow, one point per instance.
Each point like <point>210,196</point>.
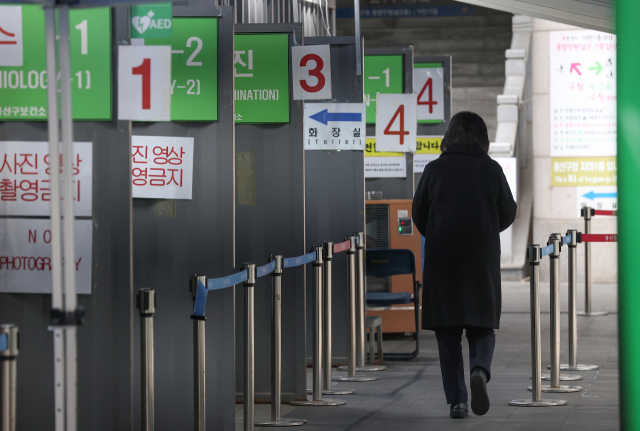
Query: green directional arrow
<point>598,68</point>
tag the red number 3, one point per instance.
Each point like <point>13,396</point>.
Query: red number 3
<point>317,72</point>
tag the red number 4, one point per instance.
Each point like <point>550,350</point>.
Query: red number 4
<point>401,132</point>
<point>145,71</point>
<point>430,102</point>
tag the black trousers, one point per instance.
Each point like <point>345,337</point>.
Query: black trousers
<point>482,342</point>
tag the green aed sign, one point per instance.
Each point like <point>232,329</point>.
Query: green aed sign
<point>382,74</point>
<point>194,68</point>
<point>151,20</point>
<point>23,84</point>
<point>261,75</point>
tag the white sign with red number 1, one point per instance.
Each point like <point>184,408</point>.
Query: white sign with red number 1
<point>144,83</point>
<point>396,122</point>
<point>311,72</point>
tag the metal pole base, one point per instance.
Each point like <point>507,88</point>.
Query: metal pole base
<point>562,389</point>
<point>323,402</point>
<point>354,378</point>
<point>365,369</point>
<point>579,367</point>
<point>541,403</point>
<point>334,391</point>
<point>285,422</point>
<point>563,378</point>
<point>593,313</point>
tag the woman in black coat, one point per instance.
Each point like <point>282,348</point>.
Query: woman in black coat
<point>461,205</point>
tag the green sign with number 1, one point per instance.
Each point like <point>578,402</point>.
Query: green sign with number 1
<point>194,68</point>
<point>382,74</point>
<point>23,87</point>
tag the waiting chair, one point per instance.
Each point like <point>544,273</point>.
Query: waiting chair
<point>389,262</point>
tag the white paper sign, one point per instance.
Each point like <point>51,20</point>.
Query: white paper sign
<point>583,93</point>
<point>420,161</point>
<point>144,83</point>
<point>428,85</point>
<point>396,122</point>
<point>11,36</point>
<point>25,255</point>
<point>311,72</point>
<point>24,178</point>
<point>162,167</point>
<point>598,197</point>
<point>385,167</point>
<point>334,126</point>
<point>510,169</point>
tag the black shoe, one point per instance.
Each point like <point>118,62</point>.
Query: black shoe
<point>479,397</point>
<point>459,411</point>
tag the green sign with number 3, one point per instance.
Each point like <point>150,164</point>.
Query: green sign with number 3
<point>23,87</point>
<point>194,68</point>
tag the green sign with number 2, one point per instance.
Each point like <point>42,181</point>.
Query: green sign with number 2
<point>194,68</point>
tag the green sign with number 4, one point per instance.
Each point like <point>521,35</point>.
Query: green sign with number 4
<point>23,65</point>
<point>382,74</point>
<point>194,68</point>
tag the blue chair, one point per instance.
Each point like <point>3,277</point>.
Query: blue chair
<point>389,262</point>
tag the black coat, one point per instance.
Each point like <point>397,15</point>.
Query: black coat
<point>461,205</point>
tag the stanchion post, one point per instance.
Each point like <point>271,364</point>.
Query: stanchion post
<point>554,336</point>
<point>587,213</point>
<point>199,392</point>
<point>317,337</point>
<point>249,372</point>
<point>573,309</point>
<point>276,351</point>
<point>362,307</point>
<point>352,315</point>
<point>536,399</point>
<point>9,361</point>
<point>146,304</point>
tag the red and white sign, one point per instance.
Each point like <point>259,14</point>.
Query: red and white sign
<point>162,167</point>
<point>144,83</point>
<point>11,36</point>
<point>25,255</point>
<point>24,178</point>
<point>311,72</point>
<point>428,84</point>
<point>396,122</point>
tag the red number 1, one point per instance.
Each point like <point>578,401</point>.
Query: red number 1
<point>145,71</point>
<point>401,132</point>
<point>430,102</point>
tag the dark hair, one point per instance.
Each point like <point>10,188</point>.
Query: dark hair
<point>466,128</point>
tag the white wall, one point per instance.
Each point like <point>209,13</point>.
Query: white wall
<point>554,208</point>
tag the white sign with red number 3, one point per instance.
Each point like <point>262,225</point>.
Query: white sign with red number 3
<point>396,122</point>
<point>144,83</point>
<point>428,84</point>
<point>311,72</point>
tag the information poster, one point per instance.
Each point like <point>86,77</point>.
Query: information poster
<point>25,255</point>
<point>194,68</point>
<point>427,150</point>
<point>383,164</point>
<point>23,66</point>
<point>382,74</point>
<point>584,171</point>
<point>261,76</point>
<point>583,93</point>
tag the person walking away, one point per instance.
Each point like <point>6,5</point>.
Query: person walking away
<point>461,205</point>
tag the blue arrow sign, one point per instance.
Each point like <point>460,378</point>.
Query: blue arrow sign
<point>325,116</point>
<point>592,195</point>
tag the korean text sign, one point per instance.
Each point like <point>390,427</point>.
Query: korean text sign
<point>24,178</point>
<point>162,167</point>
<point>25,255</point>
<point>584,171</point>
<point>334,126</point>
<point>23,68</point>
<point>379,164</point>
<point>583,93</point>
<point>261,76</point>
<point>194,68</point>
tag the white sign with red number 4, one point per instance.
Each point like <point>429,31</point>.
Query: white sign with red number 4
<point>311,72</point>
<point>396,122</point>
<point>162,167</point>
<point>428,84</point>
<point>144,83</point>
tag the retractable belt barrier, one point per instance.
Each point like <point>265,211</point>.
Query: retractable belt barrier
<point>9,345</point>
<point>4,344</point>
<point>583,237</point>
